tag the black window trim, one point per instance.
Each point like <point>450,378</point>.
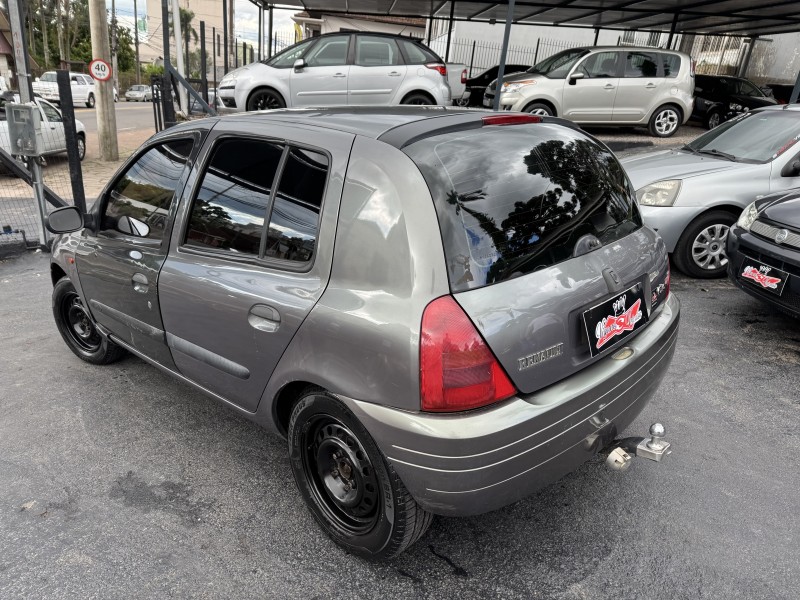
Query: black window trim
<point>260,261</point>
<point>99,209</point>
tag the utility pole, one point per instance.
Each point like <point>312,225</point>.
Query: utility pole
<point>106,117</point>
<point>44,35</point>
<point>114,45</point>
<point>183,98</point>
<point>136,43</point>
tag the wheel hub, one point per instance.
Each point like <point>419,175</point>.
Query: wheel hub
<point>708,249</point>
<point>80,324</point>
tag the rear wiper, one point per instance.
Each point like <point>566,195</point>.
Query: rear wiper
<point>719,153</point>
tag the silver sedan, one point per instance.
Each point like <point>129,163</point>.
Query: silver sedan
<point>692,195</point>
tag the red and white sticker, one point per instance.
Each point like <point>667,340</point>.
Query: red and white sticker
<point>621,321</point>
<point>100,69</point>
<point>761,277</point>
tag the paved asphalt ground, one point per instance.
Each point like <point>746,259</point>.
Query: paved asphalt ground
<point>118,482</point>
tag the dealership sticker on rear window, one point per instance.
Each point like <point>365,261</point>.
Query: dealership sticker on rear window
<point>615,319</point>
<point>769,278</point>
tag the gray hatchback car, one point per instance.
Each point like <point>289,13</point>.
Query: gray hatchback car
<point>441,310</point>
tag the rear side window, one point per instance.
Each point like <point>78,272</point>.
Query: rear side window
<point>374,51</point>
<point>671,63</point>
<point>418,55</point>
<point>512,200</point>
<point>641,64</point>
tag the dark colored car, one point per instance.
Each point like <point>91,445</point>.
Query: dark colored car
<point>383,287</point>
<point>477,85</point>
<point>764,250</point>
<point>718,98</point>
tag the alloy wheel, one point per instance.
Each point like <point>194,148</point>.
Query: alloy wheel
<point>666,121</point>
<point>266,101</point>
<point>713,120</point>
<point>708,248</point>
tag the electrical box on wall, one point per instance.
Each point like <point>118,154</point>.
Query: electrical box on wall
<point>25,129</point>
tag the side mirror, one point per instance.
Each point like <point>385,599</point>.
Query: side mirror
<point>36,80</point>
<point>64,220</point>
<point>130,226</point>
<point>574,77</point>
<point>299,65</point>
<point>792,169</point>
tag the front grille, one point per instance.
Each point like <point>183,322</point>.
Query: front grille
<point>768,232</point>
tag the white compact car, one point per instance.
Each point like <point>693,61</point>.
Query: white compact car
<point>340,69</point>
<point>54,139</point>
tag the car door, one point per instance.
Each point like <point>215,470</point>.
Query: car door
<point>52,128</point>
<point>253,255</point>
<point>118,264</point>
<point>591,99</point>
<point>79,89</point>
<point>640,87</point>
<point>323,80</point>
<point>377,71</point>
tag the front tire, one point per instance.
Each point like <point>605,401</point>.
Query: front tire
<point>265,100</point>
<point>81,147</point>
<point>352,491</point>
<point>700,251</point>
<point>78,329</point>
<point>90,101</point>
<point>539,109</point>
<point>713,118</point>
<point>665,121</point>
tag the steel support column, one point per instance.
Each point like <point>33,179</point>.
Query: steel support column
<point>746,62</point>
<point>260,30</point>
<point>449,30</point>
<point>269,38</point>
<point>226,50</point>
<point>672,30</point>
<point>796,90</point>
<point>501,71</point>
<point>596,35</point>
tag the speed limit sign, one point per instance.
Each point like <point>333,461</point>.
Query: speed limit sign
<point>100,70</point>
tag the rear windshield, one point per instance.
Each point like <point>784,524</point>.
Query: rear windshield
<point>515,199</point>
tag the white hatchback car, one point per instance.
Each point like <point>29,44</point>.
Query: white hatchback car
<point>610,85</point>
<point>338,69</point>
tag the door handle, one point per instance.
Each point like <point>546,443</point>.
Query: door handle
<point>608,86</point>
<point>264,318</point>
<point>140,283</point>
<point>394,74</point>
<point>340,75</point>
<point>650,86</point>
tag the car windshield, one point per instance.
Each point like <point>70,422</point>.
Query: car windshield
<point>48,77</point>
<point>754,137</point>
<point>558,65</point>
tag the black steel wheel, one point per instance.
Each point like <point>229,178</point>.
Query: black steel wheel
<point>352,491</point>
<point>78,329</point>
<point>265,100</point>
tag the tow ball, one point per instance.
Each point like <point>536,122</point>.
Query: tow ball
<point>622,451</point>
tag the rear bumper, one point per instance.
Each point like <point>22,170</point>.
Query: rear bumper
<point>475,462</point>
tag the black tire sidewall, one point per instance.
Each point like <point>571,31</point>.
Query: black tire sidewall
<point>81,140</point>
<point>378,540</point>
<point>100,356</point>
<point>408,100</point>
<point>709,114</point>
<point>533,106</point>
<point>259,93</point>
<point>651,126</point>
<point>683,249</point>
<point>90,101</point>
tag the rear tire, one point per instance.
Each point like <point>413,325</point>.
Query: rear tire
<point>352,491</point>
<point>539,109</point>
<point>700,251</point>
<point>78,329</point>
<point>418,99</point>
<point>81,147</point>
<point>90,101</point>
<point>665,121</point>
<point>713,118</point>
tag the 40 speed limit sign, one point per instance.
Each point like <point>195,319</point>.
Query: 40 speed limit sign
<point>100,70</point>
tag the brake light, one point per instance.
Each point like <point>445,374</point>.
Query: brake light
<point>439,67</point>
<point>464,76</point>
<point>692,63</point>
<point>457,371</point>
<point>510,119</point>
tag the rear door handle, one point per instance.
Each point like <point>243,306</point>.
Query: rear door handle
<point>394,74</point>
<point>140,283</point>
<point>340,75</point>
<point>650,86</point>
<point>608,86</point>
<point>264,318</point>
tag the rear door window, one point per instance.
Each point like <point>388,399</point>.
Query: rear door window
<point>376,51</point>
<point>512,200</point>
<point>641,64</point>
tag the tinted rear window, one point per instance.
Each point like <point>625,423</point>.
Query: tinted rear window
<point>671,63</point>
<point>515,199</point>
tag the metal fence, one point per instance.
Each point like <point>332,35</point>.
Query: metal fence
<point>481,55</point>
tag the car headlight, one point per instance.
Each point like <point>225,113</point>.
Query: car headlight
<point>736,107</point>
<point>660,193</point>
<point>515,86</point>
<point>748,217</point>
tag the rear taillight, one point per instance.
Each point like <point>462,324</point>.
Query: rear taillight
<point>457,371</point>
<point>464,76</point>
<point>693,64</point>
<point>510,119</point>
<point>439,67</point>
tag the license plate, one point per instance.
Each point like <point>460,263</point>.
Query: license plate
<point>615,319</point>
<point>763,276</point>
<point>487,101</point>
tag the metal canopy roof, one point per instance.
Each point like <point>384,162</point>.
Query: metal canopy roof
<point>735,17</point>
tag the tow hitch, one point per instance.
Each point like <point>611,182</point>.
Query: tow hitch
<point>622,451</point>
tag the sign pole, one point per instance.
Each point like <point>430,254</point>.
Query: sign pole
<point>106,117</point>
